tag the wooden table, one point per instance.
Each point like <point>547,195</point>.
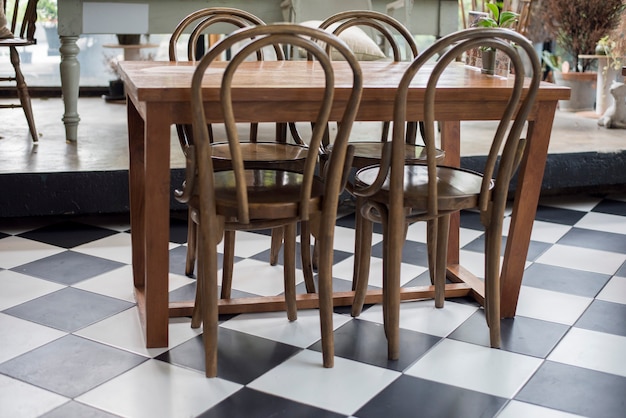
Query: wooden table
<point>158,96</point>
<point>435,17</point>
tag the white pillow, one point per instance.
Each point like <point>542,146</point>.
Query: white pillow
<point>4,31</point>
<point>362,46</point>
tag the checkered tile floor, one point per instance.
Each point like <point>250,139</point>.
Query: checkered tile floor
<point>72,343</point>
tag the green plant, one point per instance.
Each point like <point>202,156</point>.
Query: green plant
<point>47,11</point>
<point>498,18</point>
<point>578,25</point>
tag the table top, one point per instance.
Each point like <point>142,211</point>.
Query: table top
<point>301,82</point>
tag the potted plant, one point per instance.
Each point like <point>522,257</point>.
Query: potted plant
<point>496,18</point>
<point>47,15</point>
<point>577,26</point>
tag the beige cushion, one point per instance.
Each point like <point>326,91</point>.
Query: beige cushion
<point>4,31</point>
<point>363,47</point>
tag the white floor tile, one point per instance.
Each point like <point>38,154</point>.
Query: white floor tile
<point>18,288</point>
<point>115,247</point>
<point>274,326</point>
<point>547,231</point>
<point>422,316</point>
<point>572,202</point>
<point>19,399</point>
<point>343,389</point>
<point>345,269</point>
<point>24,336</point>
<point>260,278</point>
<point>125,331</point>
<point>592,350</point>
<point>614,290</point>
<point>603,222</point>
<point>248,243</point>
<point>158,389</point>
<point>582,259</point>
<point>516,409</point>
<point>15,251</point>
<point>487,370</point>
<point>551,306</point>
<point>117,283</point>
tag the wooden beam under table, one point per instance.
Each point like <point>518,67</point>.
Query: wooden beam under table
<point>310,300</point>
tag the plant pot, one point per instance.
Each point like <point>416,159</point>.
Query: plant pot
<point>116,91</point>
<point>124,39</point>
<point>583,90</point>
<point>488,61</point>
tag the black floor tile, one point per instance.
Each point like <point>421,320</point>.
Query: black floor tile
<point>558,215</point>
<point>70,366</point>
<point>410,397</point>
<point>604,316</point>
<point>535,248</point>
<point>561,279</point>
<point>69,309</point>
<point>253,404</point>
<point>365,342</point>
<point>612,207</point>
<point>68,267</point>
<point>413,252</point>
<point>597,240</point>
<point>241,357</point>
<point>576,390</point>
<point>68,234</point>
<point>77,410</point>
<point>521,335</point>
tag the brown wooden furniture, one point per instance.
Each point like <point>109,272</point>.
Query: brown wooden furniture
<point>276,152</point>
<point>158,96</point>
<point>23,38</point>
<point>242,198</point>
<point>397,193</point>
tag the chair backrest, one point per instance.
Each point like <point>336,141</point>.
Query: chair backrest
<point>27,24</point>
<point>260,37</point>
<point>211,20</point>
<point>507,145</point>
<point>388,27</point>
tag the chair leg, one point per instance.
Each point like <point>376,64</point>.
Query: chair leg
<point>441,258</point>
<point>228,263</point>
<point>207,274</point>
<point>392,260</point>
<point>277,242</point>
<point>362,247</point>
<point>192,246</point>
<point>431,232</point>
<point>492,284</point>
<point>289,271</point>
<point>305,253</point>
<point>22,92</point>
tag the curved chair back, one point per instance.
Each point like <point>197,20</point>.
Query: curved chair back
<point>507,144</point>
<point>211,20</point>
<point>263,36</point>
<point>385,25</point>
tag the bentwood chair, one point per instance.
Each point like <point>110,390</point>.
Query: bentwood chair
<point>396,38</point>
<point>396,193</point>
<point>257,152</point>
<point>244,198</point>
<point>13,37</point>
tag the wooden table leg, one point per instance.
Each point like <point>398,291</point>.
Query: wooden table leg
<point>530,177</point>
<point>150,188</point>
<point>451,144</point>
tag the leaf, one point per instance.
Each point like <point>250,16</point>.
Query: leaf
<point>495,11</point>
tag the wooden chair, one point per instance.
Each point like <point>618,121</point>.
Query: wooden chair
<point>396,193</point>
<point>235,200</point>
<point>395,39</point>
<point>256,153</point>
<point>14,37</point>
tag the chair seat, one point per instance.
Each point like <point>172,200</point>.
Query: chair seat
<point>272,194</point>
<point>261,155</point>
<point>15,42</point>
<point>457,188</point>
<point>367,153</point>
